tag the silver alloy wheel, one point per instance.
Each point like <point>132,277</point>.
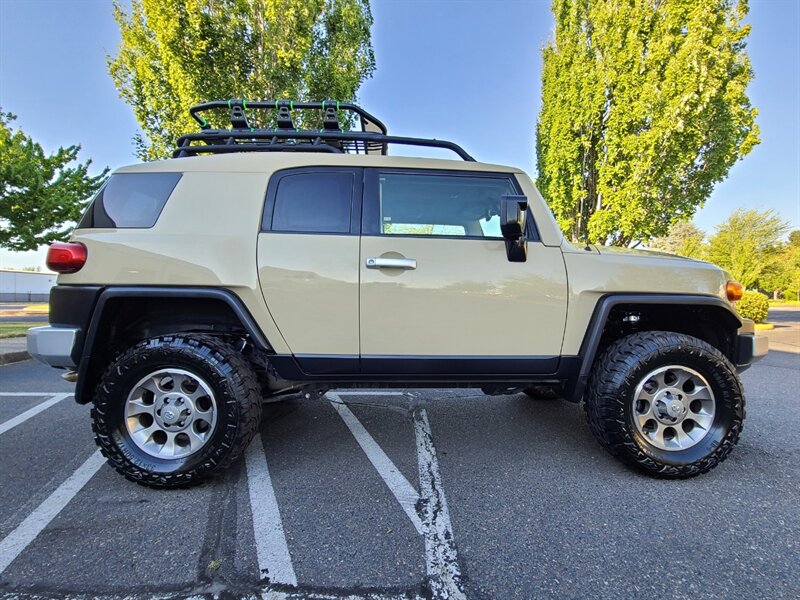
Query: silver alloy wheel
<point>171,413</point>
<point>673,407</point>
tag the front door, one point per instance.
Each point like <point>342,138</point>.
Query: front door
<point>438,293</point>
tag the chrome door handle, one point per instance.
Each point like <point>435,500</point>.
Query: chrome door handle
<point>392,263</point>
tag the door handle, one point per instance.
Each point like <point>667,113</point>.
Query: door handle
<point>392,263</point>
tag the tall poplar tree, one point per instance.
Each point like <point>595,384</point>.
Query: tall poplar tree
<point>175,53</point>
<point>644,110</point>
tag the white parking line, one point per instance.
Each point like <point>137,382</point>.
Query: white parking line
<point>32,412</point>
<point>19,394</point>
<point>15,542</point>
<point>402,490</point>
<point>274,560</point>
<point>441,557</point>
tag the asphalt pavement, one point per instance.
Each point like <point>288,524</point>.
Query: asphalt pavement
<point>417,494</point>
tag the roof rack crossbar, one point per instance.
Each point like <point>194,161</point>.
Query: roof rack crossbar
<point>242,137</point>
<point>256,147</point>
<point>212,138</point>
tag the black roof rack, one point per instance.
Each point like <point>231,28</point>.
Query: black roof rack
<point>243,137</point>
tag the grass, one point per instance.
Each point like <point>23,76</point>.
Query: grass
<point>10,330</point>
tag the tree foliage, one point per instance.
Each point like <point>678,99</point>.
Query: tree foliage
<point>644,109</point>
<point>782,275</point>
<point>684,238</point>
<point>175,53</point>
<point>754,305</point>
<point>746,244</point>
<point>39,193</point>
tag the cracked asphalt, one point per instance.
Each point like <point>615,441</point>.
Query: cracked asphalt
<point>536,508</point>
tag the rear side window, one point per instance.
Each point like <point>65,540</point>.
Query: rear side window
<point>314,202</point>
<point>130,200</point>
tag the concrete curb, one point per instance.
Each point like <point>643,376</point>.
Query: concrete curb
<point>6,358</point>
<point>13,350</point>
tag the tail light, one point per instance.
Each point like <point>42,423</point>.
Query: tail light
<point>66,257</point>
<point>734,291</point>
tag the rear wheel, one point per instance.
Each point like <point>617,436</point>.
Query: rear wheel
<point>668,404</point>
<point>174,411</point>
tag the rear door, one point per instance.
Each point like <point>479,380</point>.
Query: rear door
<point>308,252</point>
<point>438,293</point>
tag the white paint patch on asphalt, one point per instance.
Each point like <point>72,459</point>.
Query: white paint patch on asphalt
<point>368,393</point>
<point>32,412</point>
<point>15,542</point>
<point>441,557</point>
<point>269,594</point>
<point>401,489</point>
<point>24,394</point>
<point>274,560</point>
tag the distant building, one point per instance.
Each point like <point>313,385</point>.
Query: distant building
<point>25,286</point>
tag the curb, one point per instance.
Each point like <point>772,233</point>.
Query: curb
<point>6,358</point>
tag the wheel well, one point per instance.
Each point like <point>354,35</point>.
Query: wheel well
<point>711,324</point>
<point>124,321</point>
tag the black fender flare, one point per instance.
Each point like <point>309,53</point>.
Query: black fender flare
<point>573,390</point>
<point>85,381</point>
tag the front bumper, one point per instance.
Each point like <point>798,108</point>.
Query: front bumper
<point>749,346</point>
<point>53,345</point>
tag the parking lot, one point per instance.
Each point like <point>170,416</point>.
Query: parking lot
<point>412,494</point>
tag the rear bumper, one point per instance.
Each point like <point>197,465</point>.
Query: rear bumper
<point>61,343</point>
<point>53,345</point>
<point>749,346</point>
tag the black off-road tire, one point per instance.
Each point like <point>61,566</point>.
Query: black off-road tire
<point>609,402</point>
<point>238,400</point>
<point>543,392</point>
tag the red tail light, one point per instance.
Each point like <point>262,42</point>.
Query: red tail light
<point>66,257</point>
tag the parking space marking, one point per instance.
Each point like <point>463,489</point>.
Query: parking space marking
<point>15,542</point>
<point>431,516</point>
<point>401,489</point>
<point>272,550</point>
<point>441,556</point>
<point>32,412</point>
<point>26,394</point>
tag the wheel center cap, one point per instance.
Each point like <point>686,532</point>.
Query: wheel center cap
<point>674,408</point>
<point>670,408</point>
<point>174,409</point>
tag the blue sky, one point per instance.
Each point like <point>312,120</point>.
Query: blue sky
<point>462,70</point>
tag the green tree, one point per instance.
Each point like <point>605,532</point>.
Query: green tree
<point>644,109</point>
<point>782,274</point>
<point>175,53</point>
<point>684,238</point>
<point>746,244</point>
<point>40,194</point>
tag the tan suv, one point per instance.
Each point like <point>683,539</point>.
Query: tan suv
<point>287,261</point>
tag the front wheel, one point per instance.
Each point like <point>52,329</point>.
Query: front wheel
<point>666,403</point>
<point>174,411</point>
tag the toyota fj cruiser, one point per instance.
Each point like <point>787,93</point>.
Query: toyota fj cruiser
<point>266,260</point>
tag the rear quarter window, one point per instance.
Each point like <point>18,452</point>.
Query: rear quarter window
<point>130,200</point>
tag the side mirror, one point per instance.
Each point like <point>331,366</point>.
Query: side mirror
<point>513,210</point>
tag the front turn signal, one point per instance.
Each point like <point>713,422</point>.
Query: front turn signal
<point>734,291</point>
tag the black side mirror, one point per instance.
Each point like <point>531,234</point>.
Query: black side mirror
<point>513,210</point>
